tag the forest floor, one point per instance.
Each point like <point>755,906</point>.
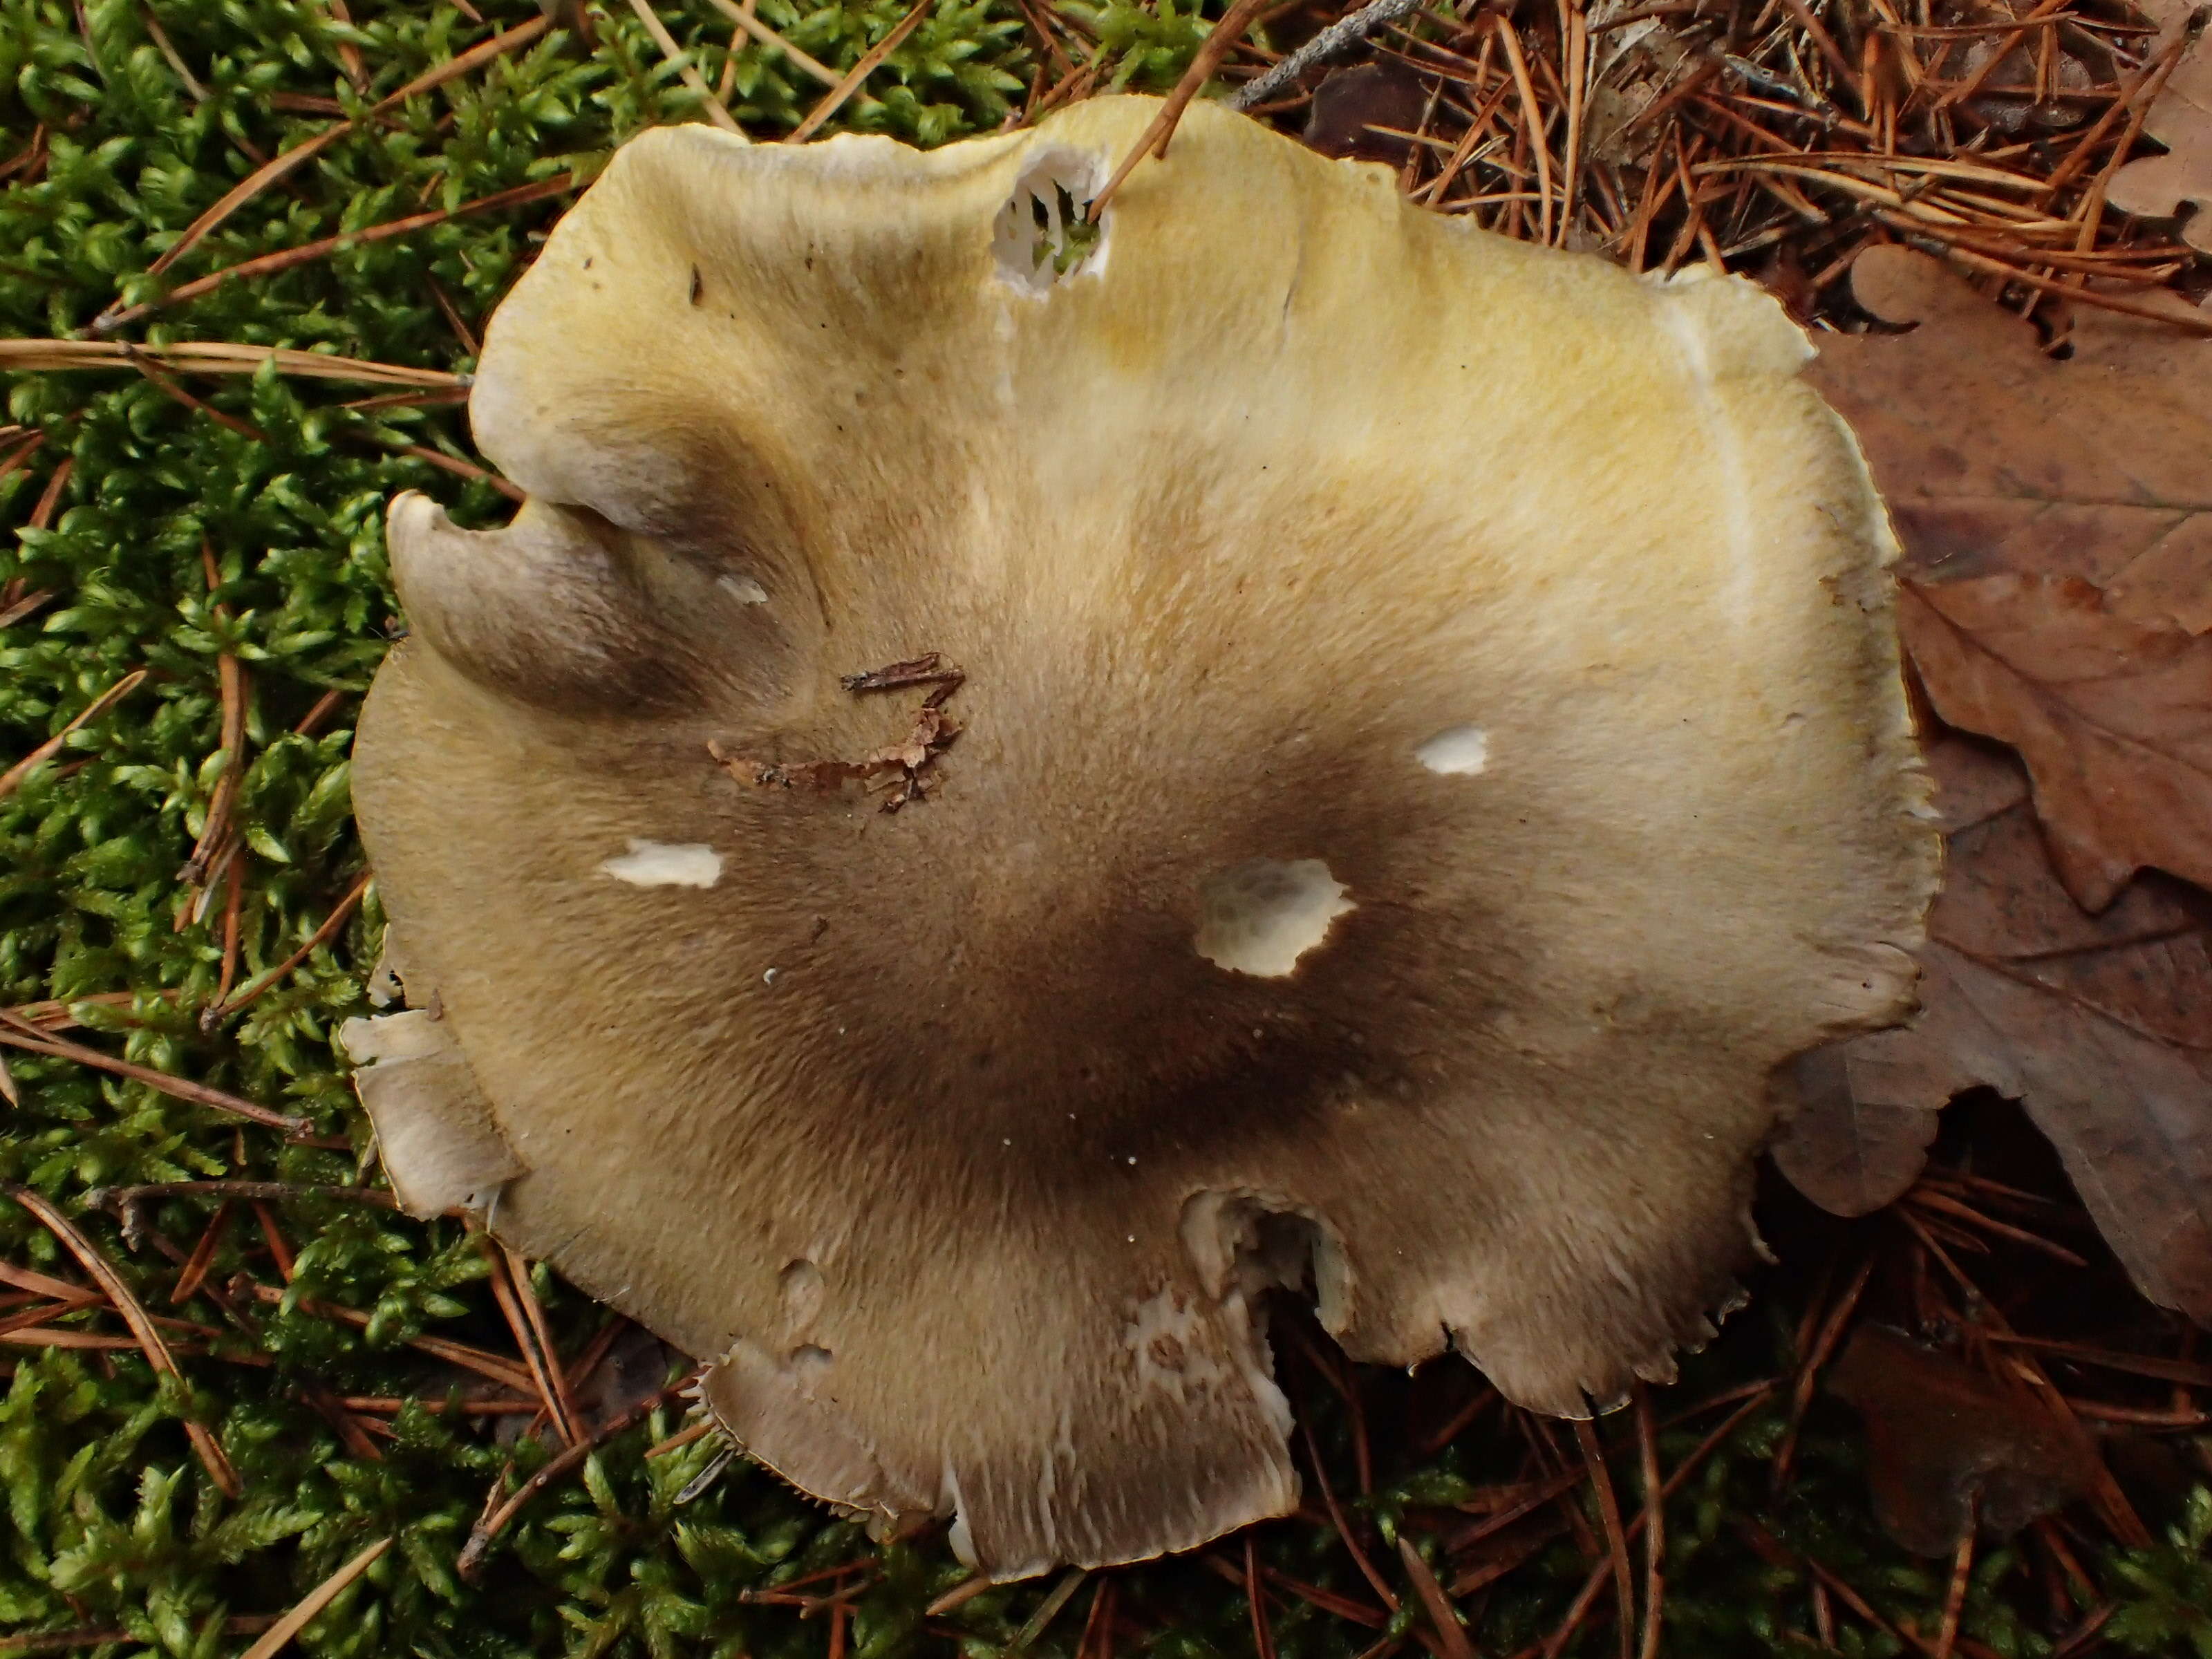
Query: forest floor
<point>249,1403</point>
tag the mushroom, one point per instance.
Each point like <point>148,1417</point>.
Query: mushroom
<point>1398,735</point>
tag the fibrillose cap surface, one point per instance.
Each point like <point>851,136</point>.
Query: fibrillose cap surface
<point>1431,745</point>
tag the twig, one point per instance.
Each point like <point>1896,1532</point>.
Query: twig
<point>1339,36</point>
<point>834,99</point>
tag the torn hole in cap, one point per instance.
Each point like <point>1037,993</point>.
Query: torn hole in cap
<point>1041,236</point>
<point>1459,750</point>
<point>745,588</point>
<point>1260,916</point>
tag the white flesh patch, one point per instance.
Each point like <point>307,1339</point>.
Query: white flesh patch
<point>1457,750</point>
<point>658,864</point>
<point>746,589</point>
<point>1260,916</point>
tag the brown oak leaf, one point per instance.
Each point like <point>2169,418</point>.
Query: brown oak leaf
<point>1995,457</point>
<point>2180,118</point>
<point>1947,1445</point>
<point>2113,717</point>
<point>2099,1024</point>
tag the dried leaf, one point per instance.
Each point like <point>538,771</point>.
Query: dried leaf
<point>1865,1110</point>
<point>1948,1445</point>
<point>1350,103</point>
<point>2113,717</point>
<point>2009,472</point>
<point>1996,458</point>
<point>2130,1117</point>
<point>1859,1135</point>
<point>2100,1024</point>
<point>2180,118</point>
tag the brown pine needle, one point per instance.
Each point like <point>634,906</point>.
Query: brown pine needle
<point>461,469</point>
<point>1654,1527</point>
<point>276,169</point>
<point>1338,1606</point>
<point>307,253</point>
<point>1449,1631</point>
<point>142,1328</point>
<point>1955,1597</point>
<point>1809,1370</point>
<point>1255,1600</point>
<point>504,1372</point>
<point>1594,1583</point>
<point>1219,42</point>
<point>22,1033</point>
<point>768,37</point>
<point>214,357</point>
<point>39,1313</point>
<point>322,936</point>
<point>1533,122</point>
<point>961,1594</point>
<point>834,99</point>
<point>681,1439</point>
<point>12,779</point>
<point>518,1299</point>
<point>277,1636</point>
<point>717,112</point>
<point>1382,1587</point>
<point>1616,1537</point>
<point>1929,1198</point>
<point>480,1538</point>
<point>194,1272</point>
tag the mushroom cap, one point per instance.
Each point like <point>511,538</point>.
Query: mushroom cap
<point>1288,529</point>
